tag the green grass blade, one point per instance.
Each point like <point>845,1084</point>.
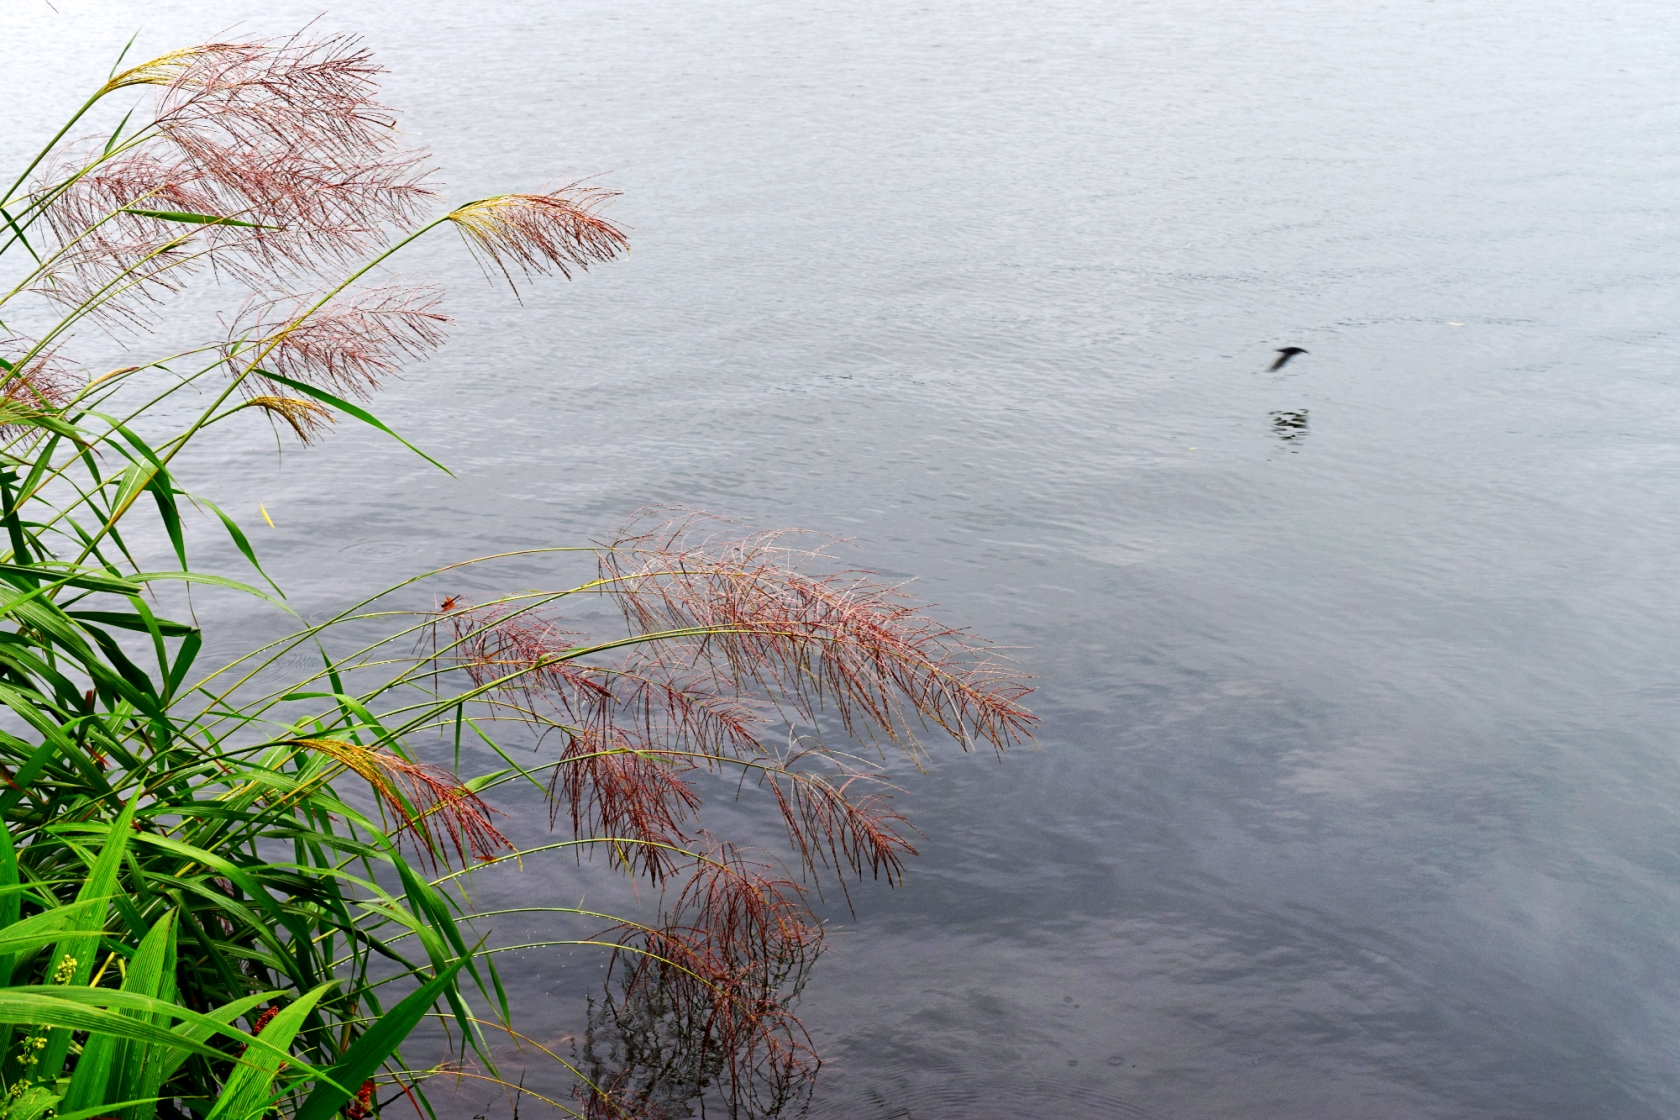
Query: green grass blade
<point>184,658</point>
<point>48,926</point>
<point>369,1052</point>
<point>240,541</point>
<point>63,1007</point>
<point>100,1110</point>
<point>246,1094</point>
<point>167,1061</point>
<point>135,622</point>
<point>101,884</point>
<point>194,219</point>
<point>152,973</point>
<point>12,222</point>
<point>11,901</point>
<point>47,1007</point>
<point>163,492</point>
<point>361,414</point>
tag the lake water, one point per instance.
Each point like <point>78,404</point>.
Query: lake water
<point>1357,787</point>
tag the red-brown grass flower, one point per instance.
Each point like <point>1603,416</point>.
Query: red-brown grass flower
<point>735,633</point>
<point>539,233</point>
<point>808,639</point>
<point>109,260</point>
<point>629,794</point>
<point>359,340</point>
<point>283,141</point>
<point>33,383</point>
<point>687,708</point>
<point>832,825</point>
<point>31,379</point>
<point>292,133</point>
<point>427,802</point>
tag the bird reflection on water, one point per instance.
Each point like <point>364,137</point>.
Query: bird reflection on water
<point>1290,425</point>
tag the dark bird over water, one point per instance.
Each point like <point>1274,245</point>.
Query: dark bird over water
<point>1284,354</point>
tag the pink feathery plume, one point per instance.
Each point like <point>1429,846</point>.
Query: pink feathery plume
<point>351,346</point>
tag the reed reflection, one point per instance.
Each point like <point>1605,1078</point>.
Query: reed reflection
<point>660,1044</point>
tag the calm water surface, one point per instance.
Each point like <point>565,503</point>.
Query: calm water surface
<point>1357,787</point>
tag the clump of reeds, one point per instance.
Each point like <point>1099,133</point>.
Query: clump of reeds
<point>225,899</point>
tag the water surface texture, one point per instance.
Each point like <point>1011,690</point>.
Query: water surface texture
<point>1357,785</point>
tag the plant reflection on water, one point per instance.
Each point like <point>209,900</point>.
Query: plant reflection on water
<point>652,1048</point>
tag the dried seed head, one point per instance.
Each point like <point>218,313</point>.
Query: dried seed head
<point>539,233</point>
<point>173,67</point>
<point>283,140</point>
<point>429,803</point>
<point>356,342</point>
<point>31,386</point>
<point>306,418</point>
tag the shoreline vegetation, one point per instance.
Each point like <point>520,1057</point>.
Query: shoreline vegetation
<point>229,894</point>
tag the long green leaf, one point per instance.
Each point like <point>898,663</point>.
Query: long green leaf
<point>11,901</point>
<point>135,622</point>
<point>140,1068</point>
<point>48,926</point>
<point>43,1007</point>
<point>369,1052</point>
<point>213,581</point>
<point>70,576</point>
<point>75,954</point>
<point>246,1094</point>
<point>163,492</point>
<point>12,222</point>
<point>100,1110</point>
<point>28,772</point>
<point>166,1062</point>
<point>184,657</point>
<point>239,541</point>
<point>361,414</point>
<point>46,1000</point>
<point>194,219</point>
<point>104,1054</point>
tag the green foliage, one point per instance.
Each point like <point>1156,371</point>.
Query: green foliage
<point>178,871</point>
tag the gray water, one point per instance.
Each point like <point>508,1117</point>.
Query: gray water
<point>1356,789</point>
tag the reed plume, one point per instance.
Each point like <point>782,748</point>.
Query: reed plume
<point>732,645</point>
<point>427,803</point>
<point>351,344</point>
<point>306,418</point>
<point>535,234</point>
